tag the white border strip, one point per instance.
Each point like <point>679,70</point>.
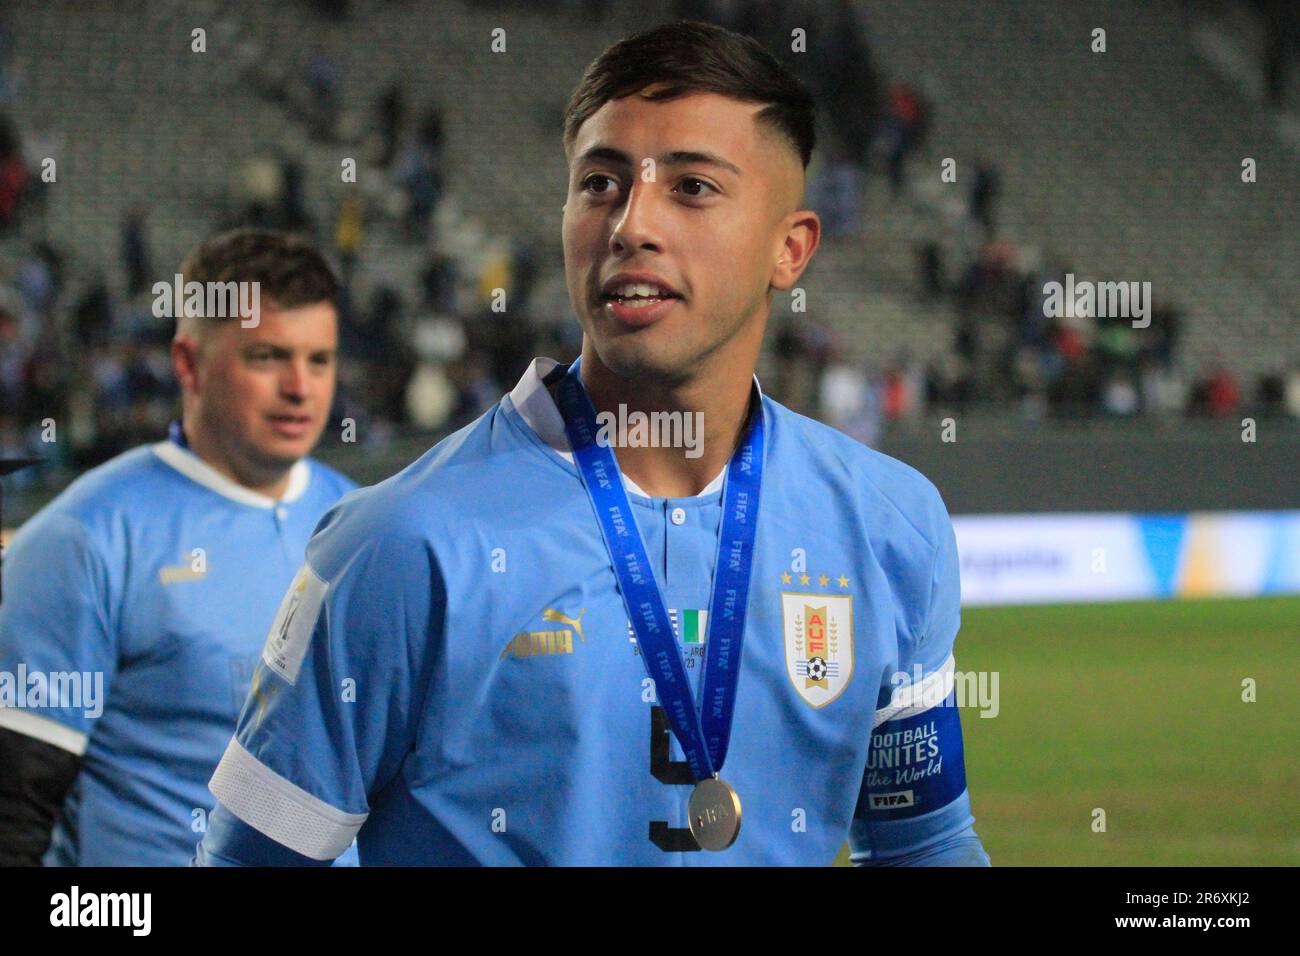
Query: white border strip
<point>196,469</point>
<point>43,729</point>
<point>280,809</point>
<point>912,699</point>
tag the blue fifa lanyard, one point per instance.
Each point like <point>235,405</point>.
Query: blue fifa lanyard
<point>702,731</point>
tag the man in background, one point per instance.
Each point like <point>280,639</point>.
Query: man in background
<point>136,603</point>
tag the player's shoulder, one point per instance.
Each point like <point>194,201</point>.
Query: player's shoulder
<point>105,498</point>
<point>328,482</point>
<point>423,503</point>
<point>882,484</point>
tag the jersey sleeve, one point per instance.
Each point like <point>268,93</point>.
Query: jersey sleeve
<point>913,807</point>
<point>58,653</point>
<point>334,700</point>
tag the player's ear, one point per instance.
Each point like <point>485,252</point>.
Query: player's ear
<point>185,361</point>
<point>803,233</point>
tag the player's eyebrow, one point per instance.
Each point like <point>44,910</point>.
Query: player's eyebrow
<point>678,157</point>
<point>284,351</point>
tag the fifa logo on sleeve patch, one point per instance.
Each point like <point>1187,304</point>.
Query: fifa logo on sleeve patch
<point>818,644</point>
<point>892,801</point>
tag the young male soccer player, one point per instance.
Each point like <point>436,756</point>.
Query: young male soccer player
<point>742,648</point>
<point>144,590</point>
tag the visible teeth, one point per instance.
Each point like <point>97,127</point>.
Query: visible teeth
<point>638,288</point>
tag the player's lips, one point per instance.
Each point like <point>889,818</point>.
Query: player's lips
<point>637,299</point>
<point>290,426</point>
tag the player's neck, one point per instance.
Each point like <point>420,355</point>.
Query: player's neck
<point>271,484</point>
<point>711,413</point>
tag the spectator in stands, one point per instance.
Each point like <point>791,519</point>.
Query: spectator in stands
<point>261,188</point>
<point>349,229</point>
<point>13,172</point>
<point>903,387</point>
<point>420,173</point>
<point>840,72</point>
<point>41,142</point>
<point>893,141</point>
<point>1116,345</point>
<point>7,86</point>
<point>850,400</point>
<point>1160,339</point>
<point>985,187</point>
<point>1291,390</point>
<point>135,252</point>
<point>14,354</point>
<point>834,194</point>
<point>39,278</point>
<point>1119,395</point>
<point>929,260</point>
<point>438,283</point>
<point>524,268</point>
<point>1163,391</point>
<point>1217,394</point>
<point>1281,21</point>
<point>1271,394</point>
<point>948,381</point>
<point>476,388</point>
<point>92,316</point>
<point>324,79</point>
<point>293,215</point>
<point>390,109</point>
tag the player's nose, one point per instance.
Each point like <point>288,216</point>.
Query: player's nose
<point>295,380</point>
<point>638,225</point>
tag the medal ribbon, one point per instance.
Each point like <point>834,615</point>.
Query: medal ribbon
<point>703,731</point>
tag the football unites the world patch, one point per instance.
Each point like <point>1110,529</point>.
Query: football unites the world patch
<point>818,630</point>
<point>915,764</point>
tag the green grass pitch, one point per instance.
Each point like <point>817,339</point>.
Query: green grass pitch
<point>1136,709</point>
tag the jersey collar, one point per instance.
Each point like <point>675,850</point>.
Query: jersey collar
<point>196,469</point>
<point>535,406</point>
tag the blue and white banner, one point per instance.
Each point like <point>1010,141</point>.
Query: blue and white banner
<point>1029,559</point>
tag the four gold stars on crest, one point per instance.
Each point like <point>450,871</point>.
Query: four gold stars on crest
<point>823,579</point>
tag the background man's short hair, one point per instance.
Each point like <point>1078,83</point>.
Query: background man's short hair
<point>694,57</point>
<point>289,270</point>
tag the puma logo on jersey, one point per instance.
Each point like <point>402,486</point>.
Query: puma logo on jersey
<point>546,643</point>
<point>550,614</point>
<point>175,573</point>
<point>193,567</point>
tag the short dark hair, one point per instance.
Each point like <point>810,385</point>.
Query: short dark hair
<point>289,270</point>
<point>690,56</point>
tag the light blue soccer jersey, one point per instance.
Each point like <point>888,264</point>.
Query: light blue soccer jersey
<point>140,599</point>
<point>452,678</point>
